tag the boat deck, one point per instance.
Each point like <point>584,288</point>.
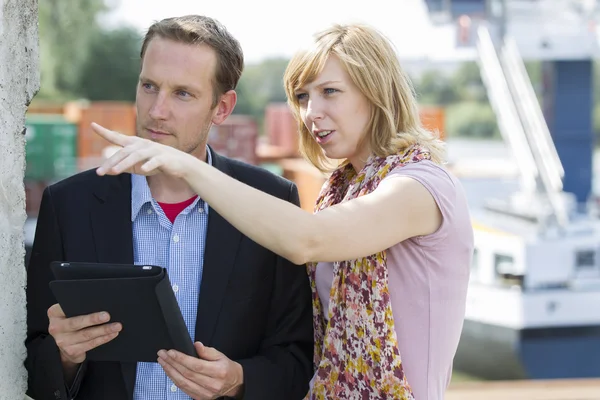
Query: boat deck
<point>559,389</point>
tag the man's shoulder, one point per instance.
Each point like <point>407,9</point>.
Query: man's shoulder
<point>86,181</point>
<point>259,178</point>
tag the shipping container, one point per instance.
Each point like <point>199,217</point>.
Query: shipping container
<point>45,107</point>
<point>117,116</point>
<point>236,138</point>
<point>433,119</point>
<point>33,197</point>
<point>281,128</point>
<point>307,178</point>
<point>267,153</point>
<point>51,147</point>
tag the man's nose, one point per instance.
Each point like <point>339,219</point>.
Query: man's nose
<point>160,108</point>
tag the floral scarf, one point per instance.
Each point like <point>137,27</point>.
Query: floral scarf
<point>356,351</point>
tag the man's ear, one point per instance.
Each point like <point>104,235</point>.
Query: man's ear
<point>224,107</point>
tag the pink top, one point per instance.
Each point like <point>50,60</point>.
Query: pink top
<point>428,284</point>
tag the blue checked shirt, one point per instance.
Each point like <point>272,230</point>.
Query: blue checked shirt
<point>178,247</point>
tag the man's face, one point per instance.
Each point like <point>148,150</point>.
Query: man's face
<point>175,94</point>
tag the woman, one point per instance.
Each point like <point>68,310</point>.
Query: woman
<point>388,248</point>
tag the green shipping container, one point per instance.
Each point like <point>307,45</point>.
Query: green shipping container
<point>51,150</point>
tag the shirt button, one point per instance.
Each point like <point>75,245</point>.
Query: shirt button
<point>175,288</point>
<point>149,211</point>
<point>200,210</point>
<point>176,238</point>
<point>173,388</point>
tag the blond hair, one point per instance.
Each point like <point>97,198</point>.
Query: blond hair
<point>371,62</point>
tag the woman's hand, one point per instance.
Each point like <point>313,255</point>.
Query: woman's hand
<point>142,157</point>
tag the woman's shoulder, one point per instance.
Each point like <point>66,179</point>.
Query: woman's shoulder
<point>444,187</point>
<point>428,173</point>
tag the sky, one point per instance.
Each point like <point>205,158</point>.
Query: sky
<point>270,28</point>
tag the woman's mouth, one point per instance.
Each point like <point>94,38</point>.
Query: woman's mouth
<point>323,137</point>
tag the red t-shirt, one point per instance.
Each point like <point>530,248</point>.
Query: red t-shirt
<point>172,210</point>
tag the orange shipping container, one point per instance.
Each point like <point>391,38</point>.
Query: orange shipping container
<point>118,116</point>
<point>45,107</point>
<point>236,138</point>
<point>307,178</point>
<point>281,128</point>
<point>433,119</point>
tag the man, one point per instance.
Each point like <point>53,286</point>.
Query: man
<point>249,309</point>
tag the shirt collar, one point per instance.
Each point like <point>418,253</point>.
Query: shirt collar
<point>140,191</point>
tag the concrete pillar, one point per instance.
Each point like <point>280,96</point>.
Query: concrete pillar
<point>19,82</point>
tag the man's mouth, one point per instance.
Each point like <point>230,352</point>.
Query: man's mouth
<point>157,132</point>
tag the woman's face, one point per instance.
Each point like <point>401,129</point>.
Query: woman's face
<point>336,113</point>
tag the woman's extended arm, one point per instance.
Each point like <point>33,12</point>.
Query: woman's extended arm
<point>398,209</point>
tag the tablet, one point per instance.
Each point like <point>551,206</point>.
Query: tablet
<point>140,297</point>
<point>81,270</point>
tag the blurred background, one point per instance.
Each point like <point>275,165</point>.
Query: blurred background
<point>509,85</point>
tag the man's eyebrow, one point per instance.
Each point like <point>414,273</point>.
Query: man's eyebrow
<point>144,79</point>
<point>185,88</point>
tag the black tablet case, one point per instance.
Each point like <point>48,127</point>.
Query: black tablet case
<point>140,298</point>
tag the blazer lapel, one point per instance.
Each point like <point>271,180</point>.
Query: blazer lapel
<point>222,241</point>
<point>113,237</point>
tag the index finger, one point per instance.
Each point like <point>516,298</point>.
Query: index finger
<point>114,137</point>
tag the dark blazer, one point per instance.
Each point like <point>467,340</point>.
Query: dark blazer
<point>254,306</point>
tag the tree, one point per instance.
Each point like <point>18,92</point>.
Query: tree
<point>471,119</point>
<point>435,88</point>
<point>467,80</point>
<point>112,67</point>
<point>264,81</point>
<point>260,85</point>
<point>66,27</point>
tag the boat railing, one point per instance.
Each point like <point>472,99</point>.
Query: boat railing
<point>522,125</point>
<point>549,167</point>
<point>504,107</point>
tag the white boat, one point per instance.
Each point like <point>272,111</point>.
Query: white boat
<point>533,308</point>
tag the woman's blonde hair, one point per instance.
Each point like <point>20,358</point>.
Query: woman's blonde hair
<point>371,62</point>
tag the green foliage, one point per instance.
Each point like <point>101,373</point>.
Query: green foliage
<point>65,27</point>
<point>467,80</point>
<point>260,85</point>
<point>111,70</point>
<point>596,116</point>
<point>265,80</point>
<point>81,59</point>
<point>471,119</point>
<point>596,120</point>
<point>468,112</point>
<point>435,88</point>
